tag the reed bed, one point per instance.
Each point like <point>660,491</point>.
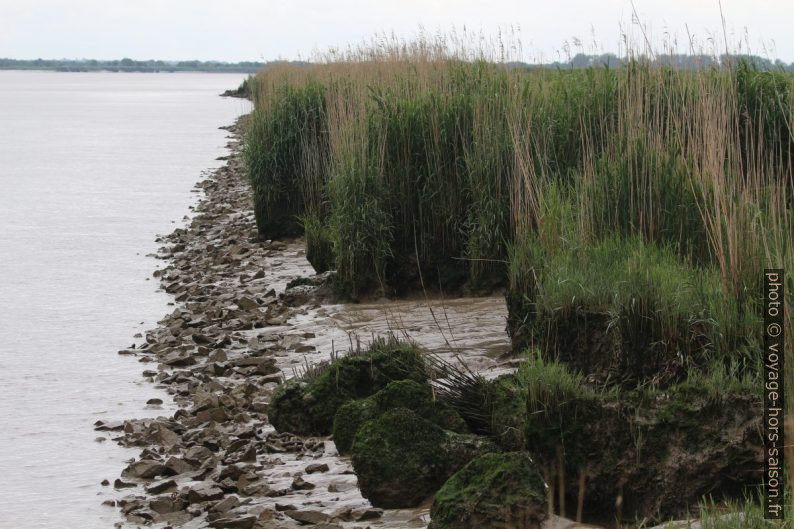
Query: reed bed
<point>643,199</point>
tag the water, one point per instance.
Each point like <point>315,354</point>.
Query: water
<point>92,167</point>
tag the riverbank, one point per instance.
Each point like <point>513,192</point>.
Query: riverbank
<point>236,332</point>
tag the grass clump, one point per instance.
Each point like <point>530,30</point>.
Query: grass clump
<point>628,311</point>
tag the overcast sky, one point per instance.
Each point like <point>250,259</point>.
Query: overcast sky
<point>235,30</point>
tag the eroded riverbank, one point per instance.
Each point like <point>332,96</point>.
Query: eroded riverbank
<point>232,337</point>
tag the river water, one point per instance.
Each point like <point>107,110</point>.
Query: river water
<point>92,167</point>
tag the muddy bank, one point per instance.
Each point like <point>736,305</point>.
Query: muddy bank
<point>235,333</point>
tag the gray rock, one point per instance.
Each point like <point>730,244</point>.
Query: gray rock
<point>178,465</point>
<point>244,522</point>
<point>204,492</point>
<point>316,467</point>
<point>308,517</point>
<point>226,504</point>
<point>299,484</point>
<point>144,469</point>
<point>118,484</point>
<point>165,505</point>
<point>161,486</point>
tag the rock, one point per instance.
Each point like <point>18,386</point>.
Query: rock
<point>508,412</point>
<point>244,522</point>
<point>400,459</point>
<point>204,492</point>
<point>174,518</point>
<point>161,435</point>
<point>118,484</point>
<point>309,407</point>
<point>398,394</point>
<point>419,398</point>
<point>299,484</point>
<point>316,467</point>
<point>165,505</point>
<point>176,465</point>
<point>363,515</point>
<point>154,402</point>
<point>212,415</point>
<point>462,448</point>
<point>226,504</point>
<point>112,426</point>
<point>178,359</point>
<point>247,304</point>
<point>144,469</point>
<point>493,490</point>
<point>161,486</point>
<point>197,454</point>
<point>340,486</point>
<point>308,517</point>
<point>348,420</point>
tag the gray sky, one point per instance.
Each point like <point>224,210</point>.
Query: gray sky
<point>235,30</point>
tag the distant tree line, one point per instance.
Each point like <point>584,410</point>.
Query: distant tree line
<point>580,60</point>
<point>130,65</point>
<point>677,61</point>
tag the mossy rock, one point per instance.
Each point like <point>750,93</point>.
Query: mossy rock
<point>400,459</point>
<point>508,412</point>
<point>493,490</point>
<point>409,394</point>
<point>349,418</point>
<point>308,406</point>
<point>419,398</point>
<point>462,448</point>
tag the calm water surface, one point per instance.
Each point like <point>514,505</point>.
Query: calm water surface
<point>92,167</point>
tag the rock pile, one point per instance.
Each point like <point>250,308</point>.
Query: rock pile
<point>221,354</point>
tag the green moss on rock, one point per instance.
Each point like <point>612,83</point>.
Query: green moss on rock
<point>349,418</point>
<point>462,448</point>
<point>493,490</point>
<point>408,394</point>
<point>506,401</point>
<point>308,406</point>
<point>419,398</point>
<point>400,459</point>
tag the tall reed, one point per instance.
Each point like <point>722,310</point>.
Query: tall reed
<point>430,164</point>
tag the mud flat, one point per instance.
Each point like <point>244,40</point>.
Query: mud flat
<point>236,332</point>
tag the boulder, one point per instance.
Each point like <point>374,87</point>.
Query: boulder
<point>401,458</point>
<point>507,412</point>
<point>493,490</point>
<point>408,394</point>
<point>308,406</point>
<point>348,420</point>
